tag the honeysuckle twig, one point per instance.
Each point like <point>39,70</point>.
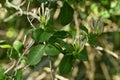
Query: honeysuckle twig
<point>28,17</point>
<point>51,71</point>
<point>106,50</point>
<point>24,13</point>
<point>31,42</point>
<point>11,67</point>
<point>15,6</point>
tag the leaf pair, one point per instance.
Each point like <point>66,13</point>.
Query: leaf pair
<point>39,35</point>
<point>17,50</point>
<point>66,63</point>
<point>36,53</point>
<point>4,45</point>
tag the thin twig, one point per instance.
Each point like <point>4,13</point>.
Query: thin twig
<point>21,12</point>
<point>112,53</point>
<point>22,3</point>
<point>11,16</point>
<point>27,15</point>
<point>42,7</point>
<point>51,72</point>
<point>76,24</point>
<point>11,67</point>
<point>27,48</point>
<point>60,77</point>
<point>14,6</point>
<point>108,51</point>
<point>105,71</point>
<point>24,13</point>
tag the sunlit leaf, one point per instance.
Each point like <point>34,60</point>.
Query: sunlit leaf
<point>105,14</point>
<point>1,41</point>
<point>2,75</point>
<point>18,46</point>
<point>5,46</point>
<point>11,33</point>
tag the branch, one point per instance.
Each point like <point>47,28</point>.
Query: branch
<point>11,67</point>
<point>14,6</point>
<point>108,51</point>
<point>24,13</point>
<point>31,42</point>
<point>28,17</point>
<point>21,12</point>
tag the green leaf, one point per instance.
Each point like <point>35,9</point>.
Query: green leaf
<point>29,32</point>
<point>68,46</point>
<point>31,0</point>
<point>105,2</point>
<point>84,29</point>
<point>61,34</point>
<point>66,14</point>
<point>82,55</point>
<point>51,50</point>
<point>92,39</point>
<point>50,25</point>
<point>45,36</point>
<point>52,39</point>
<point>2,75</point>
<point>19,74</point>
<point>105,14</point>
<point>5,46</point>
<point>59,48</point>
<point>2,41</point>
<point>65,65</point>
<point>18,46</point>
<point>72,31</point>
<point>35,54</point>
<point>41,1</point>
<point>37,33</point>
<point>71,1</point>
<point>13,54</point>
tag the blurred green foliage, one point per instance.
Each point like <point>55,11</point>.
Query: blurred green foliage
<point>72,26</point>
